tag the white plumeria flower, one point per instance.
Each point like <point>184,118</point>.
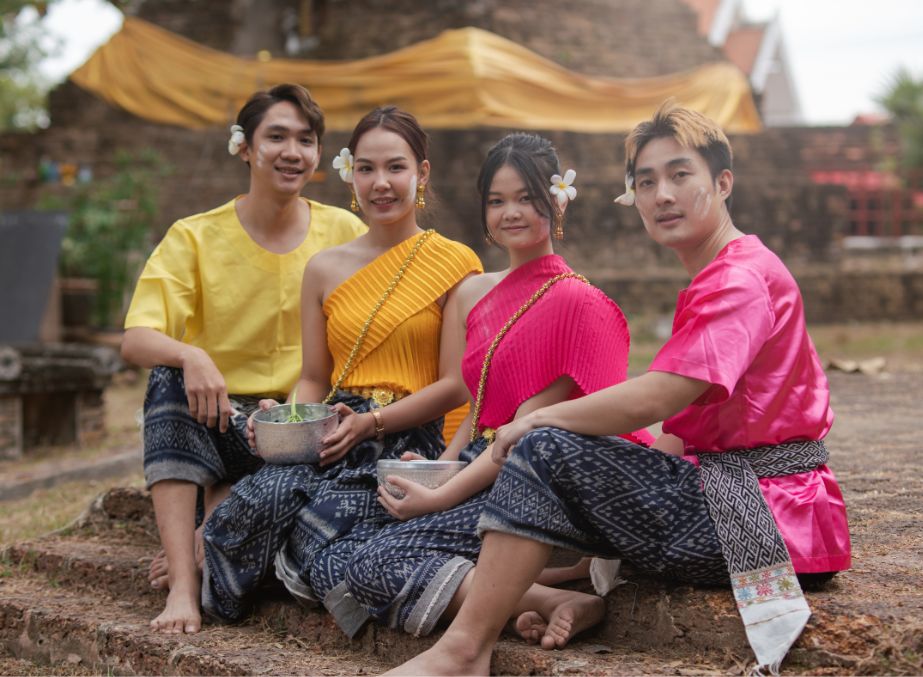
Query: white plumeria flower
<point>344,163</point>
<point>627,198</point>
<point>562,188</point>
<point>236,140</point>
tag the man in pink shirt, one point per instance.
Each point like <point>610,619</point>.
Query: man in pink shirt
<point>746,497</point>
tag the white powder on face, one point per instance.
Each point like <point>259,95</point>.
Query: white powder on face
<point>413,187</point>
<point>260,156</point>
<point>702,204</point>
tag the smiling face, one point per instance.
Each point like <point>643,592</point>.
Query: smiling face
<point>386,176</point>
<point>284,151</point>
<point>680,203</point>
<point>512,219</point>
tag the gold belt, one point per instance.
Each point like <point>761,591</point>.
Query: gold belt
<point>382,396</point>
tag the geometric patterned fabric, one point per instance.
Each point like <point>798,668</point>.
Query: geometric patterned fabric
<point>609,497</point>
<point>300,509</point>
<point>178,447</point>
<point>407,574</point>
<point>766,588</point>
<point>749,536</point>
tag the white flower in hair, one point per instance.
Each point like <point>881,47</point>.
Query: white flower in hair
<point>237,138</point>
<point>562,188</point>
<point>344,162</point>
<point>627,198</point>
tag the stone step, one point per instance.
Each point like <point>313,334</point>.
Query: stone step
<point>52,621</point>
<point>54,626</point>
<point>650,626</point>
<point>55,581</point>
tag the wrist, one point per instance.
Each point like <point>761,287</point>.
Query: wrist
<point>378,426</point>
<point>536,419</point>
<point>189,354</point>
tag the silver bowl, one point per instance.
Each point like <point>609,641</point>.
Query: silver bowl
<point>431,474</point>
<point>283,443</point>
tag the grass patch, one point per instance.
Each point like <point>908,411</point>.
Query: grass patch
<point>50,509</point>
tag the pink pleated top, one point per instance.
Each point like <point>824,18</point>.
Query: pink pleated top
<point>740,327</point>
<point>573,330</point>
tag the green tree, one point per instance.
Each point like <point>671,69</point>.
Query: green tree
<point>904,101</point>
<point>23,44</point>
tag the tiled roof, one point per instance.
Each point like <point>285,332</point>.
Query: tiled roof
<point>743,45</point>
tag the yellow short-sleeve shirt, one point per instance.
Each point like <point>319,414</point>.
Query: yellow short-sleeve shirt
<point>208,284</point>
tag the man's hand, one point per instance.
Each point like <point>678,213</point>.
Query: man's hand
<point>206,390</point>
<point>507,437</point>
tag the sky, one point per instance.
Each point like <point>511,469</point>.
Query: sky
<point>843,52</point>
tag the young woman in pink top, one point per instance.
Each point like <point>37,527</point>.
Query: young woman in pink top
<point>535,334</point>
<point>747,498</point>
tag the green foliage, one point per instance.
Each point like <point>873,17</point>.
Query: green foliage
<point>23,44</point>
<point>904,100</point>
<point>109,235</point>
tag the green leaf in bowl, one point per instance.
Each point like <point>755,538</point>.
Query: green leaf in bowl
<point>294,416</point>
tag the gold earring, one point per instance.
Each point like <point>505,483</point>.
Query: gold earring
<point>421,202</point>
<point>353,204</point>
<point>559,230</point>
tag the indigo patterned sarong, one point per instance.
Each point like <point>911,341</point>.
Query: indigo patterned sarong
<point>296,508</point>
<point>608,497</point>
<point>407,574</point>
<point>343,513</point>
<point>178,447</point>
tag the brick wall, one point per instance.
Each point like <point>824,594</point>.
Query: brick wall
<point>618,38</point>
<point>773,195</point>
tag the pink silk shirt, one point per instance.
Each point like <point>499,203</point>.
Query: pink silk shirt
<point>740,327</point>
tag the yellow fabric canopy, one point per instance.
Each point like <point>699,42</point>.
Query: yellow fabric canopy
<point>460,79</point>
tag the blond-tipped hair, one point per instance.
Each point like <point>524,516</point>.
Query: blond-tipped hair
<point>690,129</point>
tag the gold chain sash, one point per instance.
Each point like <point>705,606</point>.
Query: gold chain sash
<point>381,302</point>
<point>488,356</point>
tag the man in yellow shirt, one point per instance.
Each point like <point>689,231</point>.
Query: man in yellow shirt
<point>216,317</point>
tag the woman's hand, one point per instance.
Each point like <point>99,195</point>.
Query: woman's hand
<point>251,435</point>
<point>507,437</point>
<point>412,456</point>
<point>417,499</point>
<point>353,429</point>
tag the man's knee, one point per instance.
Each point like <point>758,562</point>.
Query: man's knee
<point>165,385</point>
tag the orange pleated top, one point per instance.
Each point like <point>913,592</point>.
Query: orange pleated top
<point>401,349</point>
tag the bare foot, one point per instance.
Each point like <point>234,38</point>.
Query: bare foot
<point>181,613</point>
<point>446,657</point>
<point>159,573</point>
<point>570,617</point>
<point>531,626</point>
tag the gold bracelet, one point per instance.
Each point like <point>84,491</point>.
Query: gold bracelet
<point>379,425</point>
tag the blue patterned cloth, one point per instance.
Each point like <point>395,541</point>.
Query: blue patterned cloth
<point>609,497</point>
<point>178,447</point>
<point>406,575</point>
<point>299,510</point>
